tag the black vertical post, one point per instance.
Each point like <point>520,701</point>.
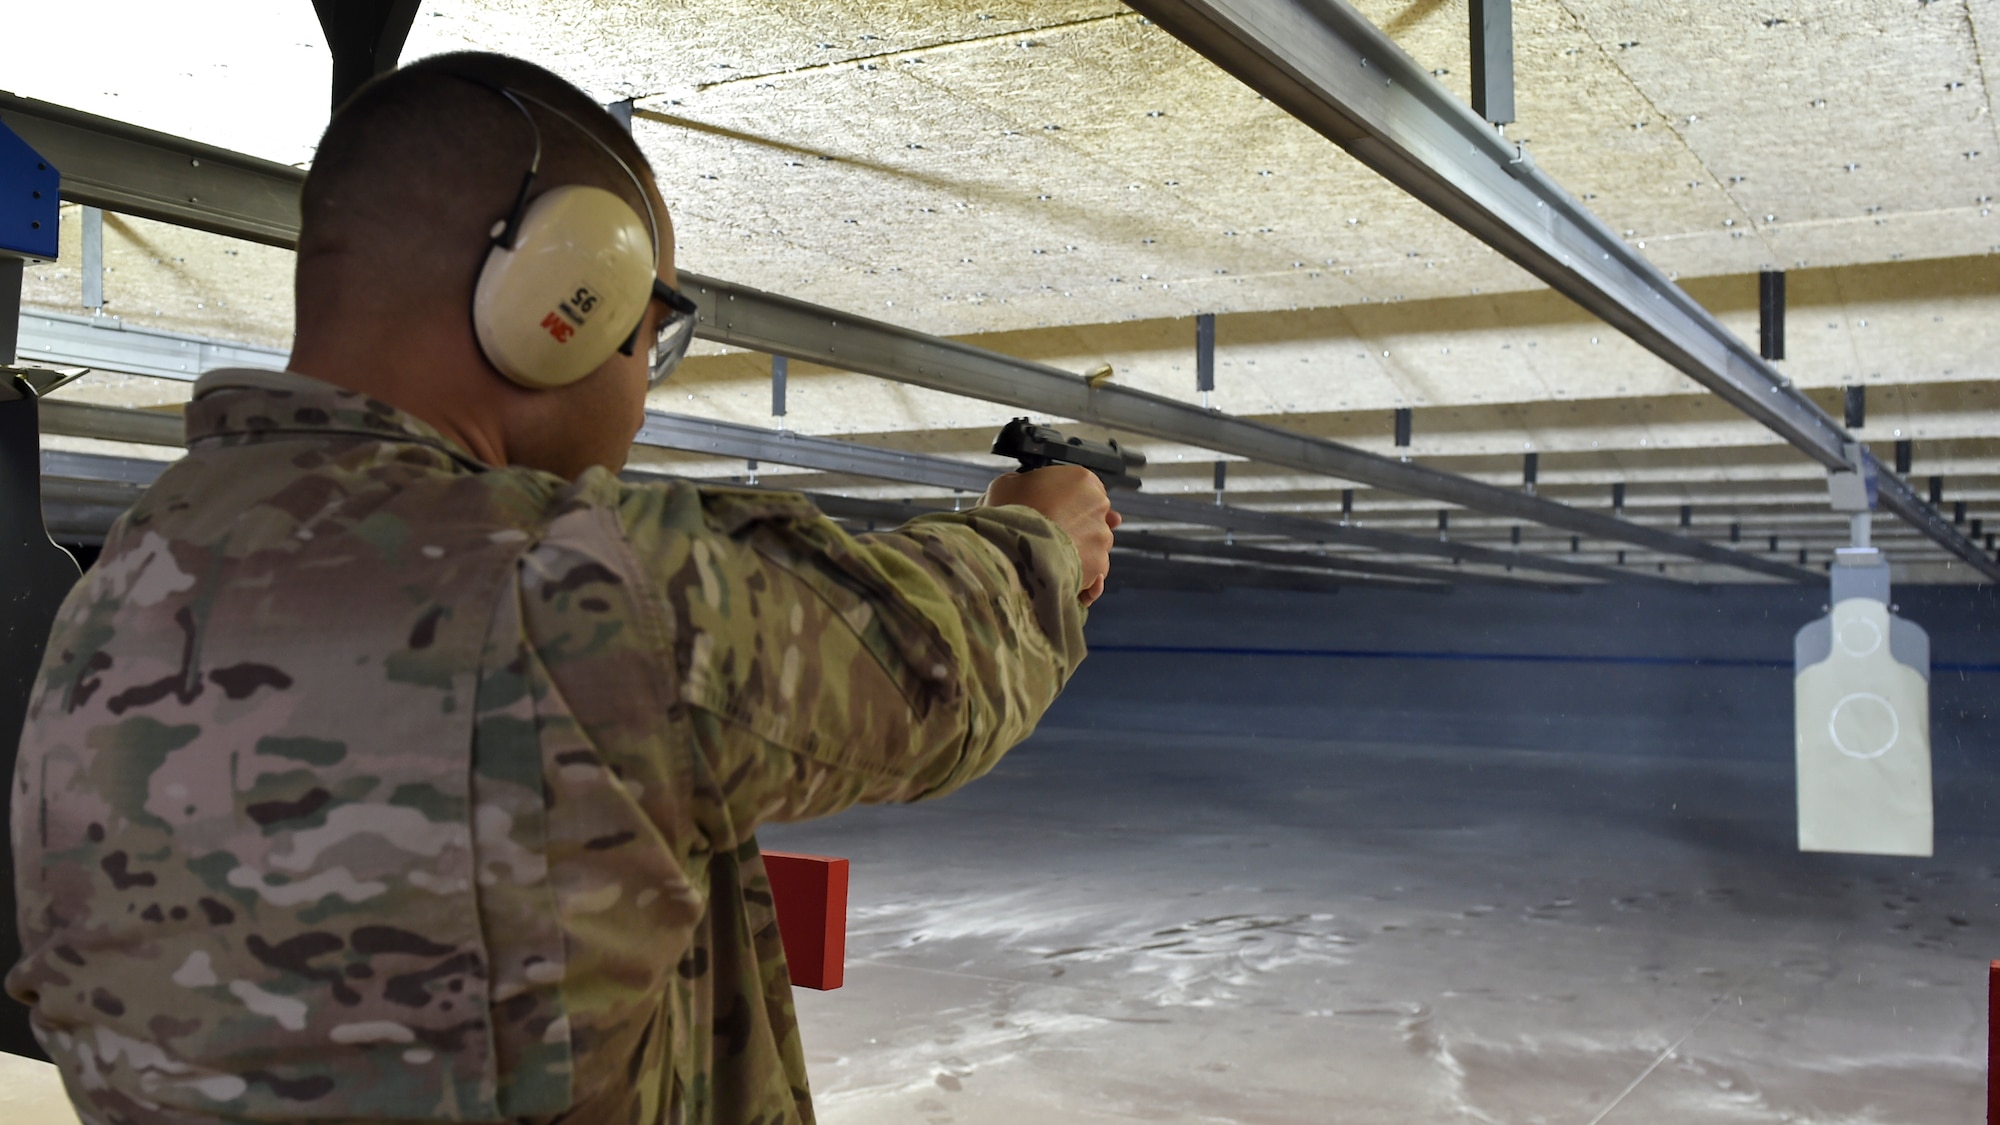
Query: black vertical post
<point>366,38</point>
<point>1975,529</point>
<point>1204,352</point>
<point>1958,514</point>
<point>1221,479</point>
<point>1857,407</point>
<point>1774,542</point>
<point>1687,515</point>
<point>1621,558</point>
<point>11,273</point>
<point>779,367</point>
<point>1937,491</point>
<point>1771,314</point>
<point>1531,468</point>
<point>1403,419</point>
<point>1346,504</point>
<point>1493,60</point>
<point>39,575</point>
<point>1618,497</point>
<point>1736,533</point>
<point>1905,453</point>
<point>1444,522</point>
<point>1517,535</point>
<point>1575,544</point>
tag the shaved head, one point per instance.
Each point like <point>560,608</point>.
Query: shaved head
<point>398,214</point>
<point>420,163</point>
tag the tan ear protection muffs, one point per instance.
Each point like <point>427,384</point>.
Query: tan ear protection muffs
<point>567,291</point>
<point>569,276</point>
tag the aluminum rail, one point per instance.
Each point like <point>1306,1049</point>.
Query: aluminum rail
<point>111,423</point>
<point>104,342</point>
<point>1253,521</point>
<point>729,439</point>
<point>1131,569</point>
<point>108,343</point>
<point>831,455</point>
<point>1206,548</point>
<point>120,167</point>
<point>85,492</point>
<point>1327,65</point>
<point>111,164</point>
<point>852,509</point>
<point>766,322</point>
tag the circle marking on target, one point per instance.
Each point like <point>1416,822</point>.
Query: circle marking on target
<point>1858,636</point>
<point>1858,707</point>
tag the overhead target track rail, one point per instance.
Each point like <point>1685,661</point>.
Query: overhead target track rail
<point>122,167</point>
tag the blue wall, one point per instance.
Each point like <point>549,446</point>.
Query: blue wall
<point>1624,670</point>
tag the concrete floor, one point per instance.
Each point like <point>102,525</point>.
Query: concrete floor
<point>1263,865</point>
<point>1202,928</point>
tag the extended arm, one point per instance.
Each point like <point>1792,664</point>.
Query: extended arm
<point>825,669</point>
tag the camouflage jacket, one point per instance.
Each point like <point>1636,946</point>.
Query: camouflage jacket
<point>363,781</point>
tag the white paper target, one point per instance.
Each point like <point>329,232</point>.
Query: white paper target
<point>1863,723</point>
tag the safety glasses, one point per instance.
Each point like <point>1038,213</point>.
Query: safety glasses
<point>670,341</point>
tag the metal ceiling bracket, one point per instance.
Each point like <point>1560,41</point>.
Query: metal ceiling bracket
<point>1327,65</point>
<point>366,38</point>
<point>1493,60</point>
<point>749,318</point>
<point>734,441</point>
<point>122,167</point>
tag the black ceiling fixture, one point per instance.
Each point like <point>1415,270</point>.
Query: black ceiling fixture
<point>366,38</point>
<point>1771,314</point>
<point>1493,60</point>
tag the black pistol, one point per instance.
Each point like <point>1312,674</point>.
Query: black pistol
<point>1038,447</point>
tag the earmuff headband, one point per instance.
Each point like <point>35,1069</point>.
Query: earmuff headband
<point>535,164</point>
<point>564,268</point>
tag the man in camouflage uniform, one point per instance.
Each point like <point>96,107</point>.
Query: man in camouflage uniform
<point>397,761</point>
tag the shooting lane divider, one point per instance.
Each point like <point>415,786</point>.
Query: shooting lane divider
<point>809,893</point>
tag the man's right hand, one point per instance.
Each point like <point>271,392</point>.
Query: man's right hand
<point>1076,501</point>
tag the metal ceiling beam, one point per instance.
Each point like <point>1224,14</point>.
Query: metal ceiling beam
<point>830,455</point>
<point>1206,548</point>
<point>85,492</point>
<point>898,511</point>
<point>1325,64</point>
<point>104,342</point>
<point>1132,569</point>
<point>161,176</point>
<point>751,443</point>
<point>1307,530</point>
<point>734,314</point>
<point>120,167</point>
<point>108,343</point>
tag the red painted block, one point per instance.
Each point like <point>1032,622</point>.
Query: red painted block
<point>810,893</point>
<point>1993,1044</point>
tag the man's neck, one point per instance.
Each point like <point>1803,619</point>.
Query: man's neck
<point>436,386</point>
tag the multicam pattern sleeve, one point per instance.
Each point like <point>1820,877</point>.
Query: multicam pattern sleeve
<point>726,657</point>
<point>366,783</point>
<point>844,669</point>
